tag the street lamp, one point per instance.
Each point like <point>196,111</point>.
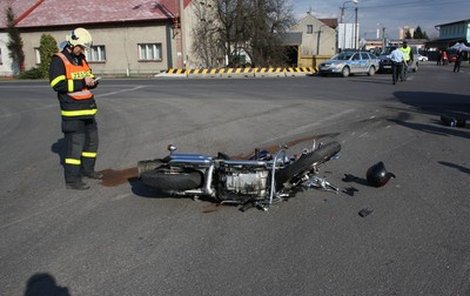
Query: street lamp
<point>381,28</point>
<point>342,16</point>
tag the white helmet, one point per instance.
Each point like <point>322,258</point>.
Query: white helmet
<point>79,37</point>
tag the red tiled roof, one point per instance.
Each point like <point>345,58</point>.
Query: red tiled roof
<point>330,22</point>
<point>76,12</point>
<point>19,7</point>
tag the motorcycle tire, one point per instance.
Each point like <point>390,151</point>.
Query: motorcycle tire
<point>148,165</point>
<point>169,180</point>
<point>306,161</point>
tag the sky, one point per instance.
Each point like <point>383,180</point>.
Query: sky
<point>391,14</point>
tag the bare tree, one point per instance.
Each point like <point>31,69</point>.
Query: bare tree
<point>233,16</point>
<point>251,27</point>
<point>206,43</point>
<point>271,20</point>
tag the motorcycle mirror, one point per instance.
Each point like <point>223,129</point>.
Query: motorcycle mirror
<point>171,148</point>
<point>314,145</point>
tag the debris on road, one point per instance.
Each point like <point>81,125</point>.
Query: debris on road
<point>453,121</point>
<point>365,212</point>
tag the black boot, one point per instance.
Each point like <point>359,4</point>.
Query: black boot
<point>93,175</point>
<point>88,169</point>
<point>73,180</point>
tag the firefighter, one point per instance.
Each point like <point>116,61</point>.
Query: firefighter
<point>71,77</point>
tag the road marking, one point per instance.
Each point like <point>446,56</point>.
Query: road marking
<point>301,129</point>
<point>56,105</point>
<point>38,213</point>
<point>28,111</point>
<point>119,91</point>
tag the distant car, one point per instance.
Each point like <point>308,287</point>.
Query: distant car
<point>350,62</point>
<point>386,63</point>
<point>421,58</point>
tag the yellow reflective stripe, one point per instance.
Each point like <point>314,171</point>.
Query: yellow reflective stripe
<point>57,80</point>
<point>89,154</point>
<point>70,85</point>
<point>79,112</point>
<point>72,161</point>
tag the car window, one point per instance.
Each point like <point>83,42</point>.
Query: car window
<point>373,56</point>
<point>364,56</point>
<point>342,56</point>
<point>356,57</point>
<point>387,50</point>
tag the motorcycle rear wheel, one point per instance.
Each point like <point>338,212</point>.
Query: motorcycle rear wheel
<point>171,180</point>
<point>306,162</point>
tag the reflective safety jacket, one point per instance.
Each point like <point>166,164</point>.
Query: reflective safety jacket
<point>67,74</point>
<point>406,52</point>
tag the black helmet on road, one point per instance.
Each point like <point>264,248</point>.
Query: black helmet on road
<point>377,175</point>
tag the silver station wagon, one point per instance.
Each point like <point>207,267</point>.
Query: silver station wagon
<point>350,62</point>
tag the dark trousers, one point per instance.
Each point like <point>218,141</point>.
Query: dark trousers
<point>81,145</point>
<point>457,66</point>
<point>404,72</point>
<point>396,71</point>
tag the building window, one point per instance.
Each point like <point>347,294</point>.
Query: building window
<point>1,60</point>
<point>97,53</point>
<point>37,54</point>
<point>150,52</point>
<point>309,29</point>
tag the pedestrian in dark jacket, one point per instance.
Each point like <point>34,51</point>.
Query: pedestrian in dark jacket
<point>458,60</point>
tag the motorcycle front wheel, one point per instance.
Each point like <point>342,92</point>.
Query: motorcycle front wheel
<point>306,162</point>
<point>172,180</point>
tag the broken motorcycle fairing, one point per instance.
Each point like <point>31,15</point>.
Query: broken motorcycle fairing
<point>260,181</point>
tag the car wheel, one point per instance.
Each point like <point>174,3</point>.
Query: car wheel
<point>345,72</point>
<point>371,71</point>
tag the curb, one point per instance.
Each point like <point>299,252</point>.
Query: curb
<point>238,72</point>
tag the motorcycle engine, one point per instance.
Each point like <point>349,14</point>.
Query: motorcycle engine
<point>241,182</point>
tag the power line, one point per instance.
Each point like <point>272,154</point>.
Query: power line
<point>412,4</point>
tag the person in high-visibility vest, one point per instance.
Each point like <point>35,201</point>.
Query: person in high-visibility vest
<point>71,77</point>
<point>408,53</point>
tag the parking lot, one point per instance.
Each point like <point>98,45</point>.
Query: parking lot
<point>119,239</point>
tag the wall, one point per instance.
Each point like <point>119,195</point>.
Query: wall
<point>120,45</point>
<point>456,30</point>
<point>310,40</point>
<point>313,61</point>
<point>5,65</point>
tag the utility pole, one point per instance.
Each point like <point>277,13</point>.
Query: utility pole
<point>383,37</point>
<point>182,30</point>
<point>355,28</point>
<point>318,40</point>
<point>179,35</point>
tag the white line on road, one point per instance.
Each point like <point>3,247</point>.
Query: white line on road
<point>307,127</point>
<point>119,91</point>
<point>56,105</point>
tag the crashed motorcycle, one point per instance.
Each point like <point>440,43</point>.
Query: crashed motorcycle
<point>259,181</point>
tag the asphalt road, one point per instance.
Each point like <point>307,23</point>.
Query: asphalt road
<point>118,239</point>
